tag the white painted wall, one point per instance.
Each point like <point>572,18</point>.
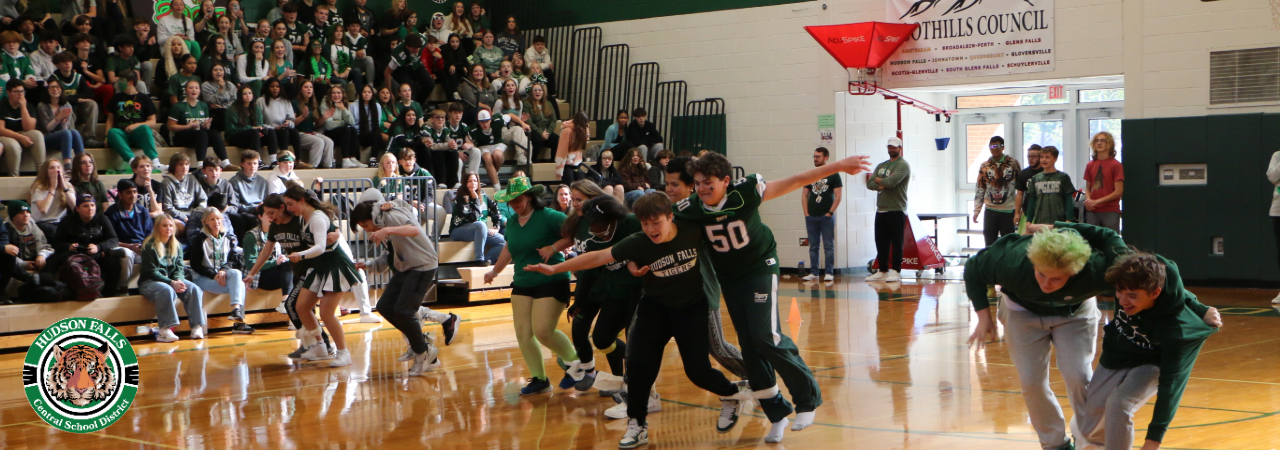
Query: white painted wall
<point>775,80</point>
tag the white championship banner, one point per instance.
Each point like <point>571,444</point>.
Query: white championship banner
<point>972,38</point>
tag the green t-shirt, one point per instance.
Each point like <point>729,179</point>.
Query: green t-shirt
<point>822,194</point>
<point>612,280</point>
<point>398,107</point>
<point>523,242</point>
<point>122,66</point>
<point>178,82</point>
<point>182,112</point>
<point>402,57</point>
<point>1049,198</point>
<point>679,276</point>
<point>481,137</point>
<point>741,245</point>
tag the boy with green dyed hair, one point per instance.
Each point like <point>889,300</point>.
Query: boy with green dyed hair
<point>1050,194</point>
<point>1148,349</point>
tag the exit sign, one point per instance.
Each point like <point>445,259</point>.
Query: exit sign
<point>1057,93</point>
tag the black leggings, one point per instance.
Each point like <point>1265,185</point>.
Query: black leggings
<point>579,172</point>
<point>655,325</point>
<point>400,301</point>
<point>252,139</point>
<point>201,140</point>
<point>889,231</point>
<point>345,142</point>
<point>996,224</point>
<point>444,166</point>
<point>373,140</point>
<point>287,137</point>
<point>537,143</point>
<point>291,306</point>
<point>612,315</point>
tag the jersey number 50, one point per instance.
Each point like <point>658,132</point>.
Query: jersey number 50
<point>731,235</point>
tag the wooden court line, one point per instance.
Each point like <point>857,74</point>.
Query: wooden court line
<point>102,434</point>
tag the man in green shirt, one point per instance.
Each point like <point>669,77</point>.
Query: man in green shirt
<point>820,201</point>
<point>890,179</point>
<point>678,288</point>
<point>745,256</point>
<point>1148,349</point>
<point>1048,282</point>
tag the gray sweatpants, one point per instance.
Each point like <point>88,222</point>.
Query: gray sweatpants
<point>1114,396</point>
<point>1073,339</point>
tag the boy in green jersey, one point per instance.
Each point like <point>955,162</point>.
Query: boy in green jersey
<point>1050,192</point>
<point>745,256</point>
<point>1148,349</point>
<point>678,287</point>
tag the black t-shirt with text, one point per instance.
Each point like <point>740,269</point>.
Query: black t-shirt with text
<point>822,195</point>
<point>679,271</point>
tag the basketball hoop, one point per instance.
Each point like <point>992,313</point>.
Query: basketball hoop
<point>865,81</point>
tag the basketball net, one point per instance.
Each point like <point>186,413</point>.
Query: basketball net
<point>867,81</point>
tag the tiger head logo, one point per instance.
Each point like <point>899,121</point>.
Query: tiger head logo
<point>80,375</point>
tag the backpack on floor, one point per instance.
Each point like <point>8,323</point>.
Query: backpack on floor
<point>82,276</point>
<point>54,291</point>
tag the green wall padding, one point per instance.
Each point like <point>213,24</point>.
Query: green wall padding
<point>1180,222</point>
<point>698,133</point>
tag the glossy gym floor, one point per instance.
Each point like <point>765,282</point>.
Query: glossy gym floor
<point>891,360</point>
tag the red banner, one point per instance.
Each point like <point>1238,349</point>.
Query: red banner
<point>862,45</point>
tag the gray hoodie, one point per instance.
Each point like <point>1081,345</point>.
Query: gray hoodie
<point>415,253</point>
<point>247,192</point>
<point>180,197</point>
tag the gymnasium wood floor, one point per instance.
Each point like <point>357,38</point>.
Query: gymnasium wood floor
<point>893,366</point>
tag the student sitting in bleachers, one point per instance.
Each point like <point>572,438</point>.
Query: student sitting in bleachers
<point>471,207</point>
<point>404,100</point>
<point>358,43</point>
<point>658,170</point>
<point>191,124</point>
<point>475,91</point>
<point>635,176</point>
<point>25,25</point>
<point>615,137</point>
<point>215,53</point>
<point>369,115</point>
<point>407,133</point>
<point>19,127</point>
<point>25,247</point>
<point>80,93</point>
<point>463,149</point>
<point>219,93</point>
<point>56,118</point>
<point>125,61</point>
<point>42,58</point>
<point>89,66</point>
<point>315,66</point>
<point>317,146</point>
<point>132,222</point>
<point>520,72</point>
<point>84,231</point>
<point>215,261</point>
<point>252,66</point>
<point>283,173</point>
<point>247,188</point>
<point>180,192</point>
<point>245,126</point>
<point>542,118</point>
<point>505,71</point>
<point>275,272</point>
<point>278,116</point>
<point>340,127</point>
<point>414,193</point>
<point>488,55</point>
<point>16,65</point>
<point>538,58</point>
<point>406,67</point>
<point>51,195</point>
<point>342,58</point>
<point>163,281</point>
<point>610,180</point>
<point>217,201</point>
<point>455,65</point>
<point>210,178</point>
<point>130,115</point>
<point>489,142</point>
<point>148,188</point>
<point>642,134</point>
<point>84,179</point>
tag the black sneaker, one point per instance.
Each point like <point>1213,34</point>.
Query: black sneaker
<point>450,328</point>
<point>263,165</point>
<point>237,315</point>
<point>241,328</point>
<point>536,386</point>
<point>373,162</point>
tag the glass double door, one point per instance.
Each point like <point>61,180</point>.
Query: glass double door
<point>1069,132</point>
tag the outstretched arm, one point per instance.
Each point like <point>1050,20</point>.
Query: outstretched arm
<point>586,261</point>
<point>852,165</point>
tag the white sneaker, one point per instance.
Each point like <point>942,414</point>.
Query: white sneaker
<point>318,352</point>
<point>197,332</point>
<point>878,276</point>
<point>893,276</point>
<point>777,430</point>
<point>366,317</point>
<point>422,360</point>
<point>1276,301</point>
<point>635,436</point>
<point>166,335</point>
<point>810,277</point>
<point>160,167</point>
<point>619,411</point>
<point>803,420</point>
<point>342,358</point>
<point>408,354</point>
<point>828,277</point>
<point>728,414</point>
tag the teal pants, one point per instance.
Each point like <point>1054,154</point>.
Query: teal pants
<point>124,143</point>
<point>753,306</point>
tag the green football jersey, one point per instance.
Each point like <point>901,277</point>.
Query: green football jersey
<point>741,245</point>
<point>613,279</point>
<point>458,133</point>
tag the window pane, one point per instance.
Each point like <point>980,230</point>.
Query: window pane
<point>992,101</point>
<point>1101,95</point>
<point>1044,133</point>
<point>977,137</point>
<point>1111,126</point>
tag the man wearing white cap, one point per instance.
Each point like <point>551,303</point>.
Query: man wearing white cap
<point>890,179</point>
<point>491,147</point>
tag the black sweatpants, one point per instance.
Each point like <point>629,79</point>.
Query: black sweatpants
<point>345,142</point>
<point>286,138</point>
<point>278,277</point>
<point>400,301</point>
<point>201,140</point>
<point>611,315</point>
<point>417,78</point>
<point>444,166</point>
<point>996,224</point>
<point>655,325</point>
<point>252,139</point>
<point>537,143</point>
<point>889,230</point>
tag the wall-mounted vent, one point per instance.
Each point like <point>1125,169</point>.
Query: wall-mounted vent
<point>1244,76</point>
